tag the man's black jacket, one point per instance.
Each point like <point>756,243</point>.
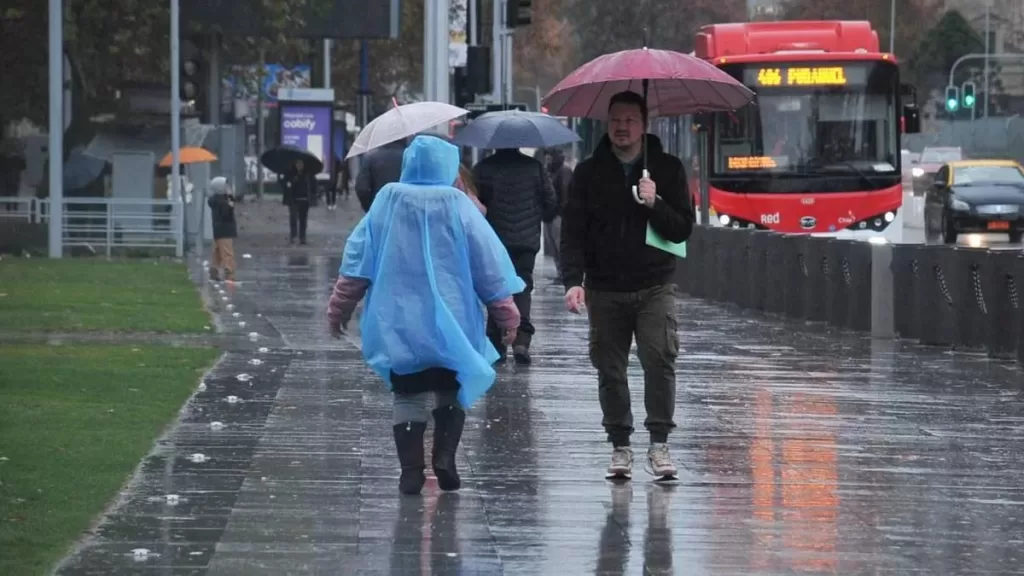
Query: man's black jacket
<point>604,229</point>
<point>518,195</point>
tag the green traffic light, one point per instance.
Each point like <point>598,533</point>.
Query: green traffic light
<point>969,101</point>
<point>952,104</point>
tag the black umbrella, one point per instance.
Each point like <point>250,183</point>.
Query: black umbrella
<point>282,160</point>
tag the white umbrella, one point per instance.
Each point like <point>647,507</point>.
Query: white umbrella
<point>401,122</point>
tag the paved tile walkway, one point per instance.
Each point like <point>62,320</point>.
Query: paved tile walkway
<point>803,452</point>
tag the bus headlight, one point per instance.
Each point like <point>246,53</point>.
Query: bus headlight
<point>890,216</point>
<point>724,219</point>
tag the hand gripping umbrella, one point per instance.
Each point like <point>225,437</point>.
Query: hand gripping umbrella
<point>671,83</point>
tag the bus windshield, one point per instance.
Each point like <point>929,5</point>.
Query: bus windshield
<point>814,119</point>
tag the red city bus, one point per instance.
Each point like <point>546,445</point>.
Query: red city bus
<point>819,149</point>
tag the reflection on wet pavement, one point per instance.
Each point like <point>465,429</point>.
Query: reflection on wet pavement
<point>802,451</point>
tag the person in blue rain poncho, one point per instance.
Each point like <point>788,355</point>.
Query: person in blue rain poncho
<point>425,258</point>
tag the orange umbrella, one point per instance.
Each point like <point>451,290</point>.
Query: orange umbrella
<point>190,155</point>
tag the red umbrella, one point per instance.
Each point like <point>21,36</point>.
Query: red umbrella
<point>674,84</point>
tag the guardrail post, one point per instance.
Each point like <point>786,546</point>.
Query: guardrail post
<point>756,271</point>
<point>904,272</point>
<point>796,275</point>
<point>1003,320</point>
<point>837,298</point>
<point>935,312</point>
<point>722,272</point>
<point>818,267</point>
<point>968,281</point>
<point>883,282</point>
<point>110,228</point>
<point>776,275</point>
<point>179,227</point>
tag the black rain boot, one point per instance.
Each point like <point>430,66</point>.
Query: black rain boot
<point>409,443</point>
<point>448,424</point>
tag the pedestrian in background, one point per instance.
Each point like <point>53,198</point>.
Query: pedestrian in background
<point>225,229</point>
<point>625,284</point>
<point>425,259</point>
<point>380,167</point>
<point>299,192</point>
<point>561,176</point>
<point>517,193</point>
<point>465,183</point>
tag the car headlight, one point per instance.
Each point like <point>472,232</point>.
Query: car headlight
<point>960,205</point>
<point>917,172</point>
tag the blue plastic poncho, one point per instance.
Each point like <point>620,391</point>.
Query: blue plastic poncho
<point>431,259</point>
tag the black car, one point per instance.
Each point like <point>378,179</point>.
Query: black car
<point>975,197</point>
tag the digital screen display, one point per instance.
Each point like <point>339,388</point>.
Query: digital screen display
<point>804,76</point>
<point>750,162</point>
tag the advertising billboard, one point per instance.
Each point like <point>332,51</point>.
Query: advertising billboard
<point>309,126</point>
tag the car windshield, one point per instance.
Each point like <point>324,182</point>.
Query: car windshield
<point>940,155</point>
<point>835,117</point>
<point>987,175</point>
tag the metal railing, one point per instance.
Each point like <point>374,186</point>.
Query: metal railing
<point>109,224</point>
<point>18,208</point>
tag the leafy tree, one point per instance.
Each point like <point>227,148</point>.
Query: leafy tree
<point>544,51</point>
<point>604,26</point>
<point>940,47</point>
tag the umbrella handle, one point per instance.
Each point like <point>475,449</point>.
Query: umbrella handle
<point>636,189</point>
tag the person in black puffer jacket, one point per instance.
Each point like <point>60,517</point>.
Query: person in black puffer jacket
<point>518,195</point>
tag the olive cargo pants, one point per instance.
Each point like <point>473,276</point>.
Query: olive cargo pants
<point>615,317</point>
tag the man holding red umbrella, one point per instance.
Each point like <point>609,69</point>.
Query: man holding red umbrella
<point>626,285</point>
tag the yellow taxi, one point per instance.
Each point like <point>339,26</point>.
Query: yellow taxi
<point>973,196</point>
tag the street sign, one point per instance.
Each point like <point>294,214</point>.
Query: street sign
<point>476,110</point>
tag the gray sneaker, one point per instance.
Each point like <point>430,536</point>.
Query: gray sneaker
<point>622,463</point>
<point>659,462</point>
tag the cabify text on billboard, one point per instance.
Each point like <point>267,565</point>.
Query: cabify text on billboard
<point>308,127</point>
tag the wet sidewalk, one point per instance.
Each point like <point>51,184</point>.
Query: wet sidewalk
<point>802,451</point>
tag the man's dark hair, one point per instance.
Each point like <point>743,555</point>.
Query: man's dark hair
<point>630,97</point>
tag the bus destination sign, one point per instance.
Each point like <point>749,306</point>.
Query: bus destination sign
<point>777,77</point>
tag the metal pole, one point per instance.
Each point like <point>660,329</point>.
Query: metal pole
<point>56,71</point>
<point>705,163</point>
<point>497,14</point>
<point>892,26</point>
<point>364,83</point>
<point>327,62</point>
<point>429,30</point>
<point>997,56</point>
<point>509,47</point>
<point>260,123</point>
<point>175,103</point>
<point>213,80</point>
<point>988,49</point>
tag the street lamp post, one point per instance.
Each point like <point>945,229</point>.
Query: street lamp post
<point>175,102</point>
<point>892,27</point>
<point>988,49</point>
<point>56,121</point>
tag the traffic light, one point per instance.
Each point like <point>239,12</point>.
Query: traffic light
<point>518,13</point>
<point>191,69</point>
<point>968,93</point>
<point>952,99</point>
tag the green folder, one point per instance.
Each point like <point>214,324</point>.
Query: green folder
<point>656,241</point>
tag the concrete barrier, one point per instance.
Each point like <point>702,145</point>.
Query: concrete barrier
<point>964,298</point>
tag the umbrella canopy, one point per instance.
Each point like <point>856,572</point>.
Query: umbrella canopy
<point>401,122</point>
<point>673,83</point>
<point>282,159</point>
<point>81,170</point>
<point>515,129</point>
<point>190,155</point>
